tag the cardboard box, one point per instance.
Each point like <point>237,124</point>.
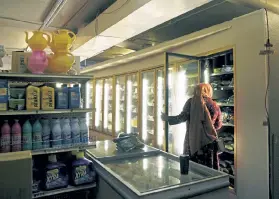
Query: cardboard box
<point>20,62</point>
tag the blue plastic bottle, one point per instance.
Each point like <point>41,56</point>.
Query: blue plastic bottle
<point>75,131</point>
<point>66,132</point>
<point>74,97</point>
<point>83,130</point>
<point>37,131</point>
<point>83,171</point>
<point>61,97</point>
<point>46,133</point>
<point>56,133</point>
<point>55,175</point>
<point>27,136</point>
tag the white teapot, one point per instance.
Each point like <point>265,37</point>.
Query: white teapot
<point>2,54</point>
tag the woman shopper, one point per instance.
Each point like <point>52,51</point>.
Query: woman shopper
<point>203,118</point>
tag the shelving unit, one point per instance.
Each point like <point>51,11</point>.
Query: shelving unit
<point>221,76</point>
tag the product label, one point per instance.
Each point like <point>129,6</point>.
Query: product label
<point>84,136</point>
<point>76,136</point>
<point>54,179</point>
<point>35,98</point>
<point>5,144</point>
<point>82,175</point>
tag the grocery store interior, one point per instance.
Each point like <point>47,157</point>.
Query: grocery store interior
<point>88,88</point>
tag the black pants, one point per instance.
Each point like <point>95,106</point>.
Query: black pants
<point>208,157</point>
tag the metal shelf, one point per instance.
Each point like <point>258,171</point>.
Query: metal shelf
<point>64,149</point>
<point>45,78</point>
<point>222,73</point>
<point>42,112</point>
<point>225,104</point>
<point>64,190</point>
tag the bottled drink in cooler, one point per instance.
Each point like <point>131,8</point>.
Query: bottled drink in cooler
<point>16,137</point>
<point>5,137</point>
<point>37,135</point>
<point>27,136</point>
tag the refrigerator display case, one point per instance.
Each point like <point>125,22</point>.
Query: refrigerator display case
<point>157,175</point>
<point>160,103</point>
<point>148,107</point>
<point>132,102</point>
<point>218,70</point>
<point>120,104</point>
<point>108,105</point>
<point>99,84</point>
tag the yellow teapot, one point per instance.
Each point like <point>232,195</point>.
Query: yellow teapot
<point>62,41</point>
<point>60,62</point>
<point>37,41</point>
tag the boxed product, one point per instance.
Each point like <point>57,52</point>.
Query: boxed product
<point>3,95</point>
<point>20,62</point>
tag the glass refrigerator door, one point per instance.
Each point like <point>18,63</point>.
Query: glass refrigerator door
<point>120,105</point>
<point>182,83</point>
<point>99,105</point>
<point>148,107</point>
<point>108,99</point>
<point>132,104</point>
<point>160,108</point>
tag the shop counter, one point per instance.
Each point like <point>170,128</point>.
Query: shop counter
<point>156,174</point>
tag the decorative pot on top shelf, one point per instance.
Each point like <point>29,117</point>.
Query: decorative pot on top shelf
<point>60,62</point>
<point>62,41</point>
<point>37,41</point>
<point>37,62</point>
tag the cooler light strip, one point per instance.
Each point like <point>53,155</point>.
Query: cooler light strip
<point>88,93</point>
<point>117,108</point>
<point>144,108</point>
<point>106,101</point>
<point>129,105</point>
<point>98,105</point>
<point>206,75</point>
<point>160,128</point>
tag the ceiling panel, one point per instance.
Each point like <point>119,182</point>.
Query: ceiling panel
<point>25,10</point>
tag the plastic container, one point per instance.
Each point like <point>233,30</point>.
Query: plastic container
<point>83,171</point>
<point>83,130</point>
<point>56,133</point>
<point>16,137</point>
<point>55,175</point>
<point>74,97</point>
<point>5,138</point>
<point>61,97</point>
<point>17,104</point>
<point>3,95</point>
<point>33,98</point>
<point>47,98</point>
<point>75,131</point>
<point>46,133</point>
<point>66,132</point>
<point>36,178</point>
<point>17,93</point>
<point>27,136</point>
<point>37,131</point>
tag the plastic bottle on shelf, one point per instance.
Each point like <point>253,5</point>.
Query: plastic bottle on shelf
<point>55,174</point>
<point>66,132</point>
<point>37,131</point>
<point>27,136</point>
<point>56,133</point>
<point>36,178</point>
<point>83,130</point>
<point>16,137</point>
<point>83,171</point>
<point>61,97</point>
<point>74,97</point>
<point>46,133</point>
<point>5,138</point>
<point>75,131</point>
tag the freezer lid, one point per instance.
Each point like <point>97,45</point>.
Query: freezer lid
<point>150,175</point>
<point>107,149</point>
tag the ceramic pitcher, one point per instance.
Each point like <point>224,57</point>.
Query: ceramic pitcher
<point>37,41</point>
<point>37,62</point>
<point>62,41</point>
